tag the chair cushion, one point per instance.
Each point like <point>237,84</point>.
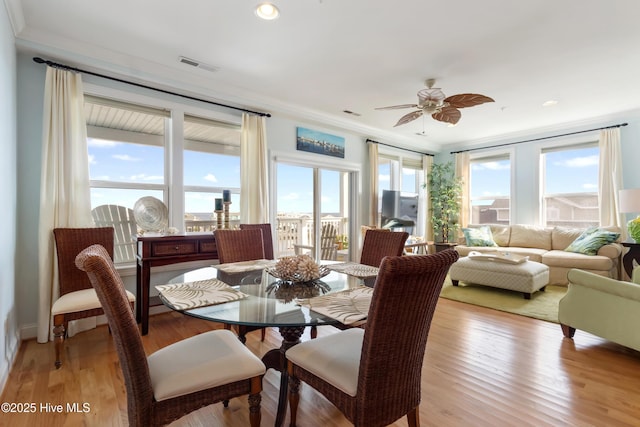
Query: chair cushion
<point>200,362</point>
<point>334,358</point>
<point>85,299</point>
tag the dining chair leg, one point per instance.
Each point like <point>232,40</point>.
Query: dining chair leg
<point>255,414</point>
<point>413,418</point>
<point>59,332</point>
<point>263,331</point>
<point>294,396</point>
<point>314,332</point>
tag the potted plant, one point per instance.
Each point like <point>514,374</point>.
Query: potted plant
<point>445,190</point>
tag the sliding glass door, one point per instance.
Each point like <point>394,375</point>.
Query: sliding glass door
<point>312,205</point>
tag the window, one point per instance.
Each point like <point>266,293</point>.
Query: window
<point>490,190</point>
<point>570,186</point>
<point>400,181</point>
<point>211,164</point>
<point>131,156</point>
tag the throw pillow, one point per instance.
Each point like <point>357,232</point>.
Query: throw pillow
<point>591,240</point>
<point>479,236</point>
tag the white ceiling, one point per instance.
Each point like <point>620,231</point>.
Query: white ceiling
<point>324,56</point>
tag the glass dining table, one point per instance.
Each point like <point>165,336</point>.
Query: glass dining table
<point>270,303</point>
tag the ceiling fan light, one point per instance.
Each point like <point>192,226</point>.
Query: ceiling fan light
<point>267,11</point>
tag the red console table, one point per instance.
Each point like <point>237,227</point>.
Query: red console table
<point>165,250</point>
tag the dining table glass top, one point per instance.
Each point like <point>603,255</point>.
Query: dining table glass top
<point>269,302</point>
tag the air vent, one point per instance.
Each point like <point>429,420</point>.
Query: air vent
<point>351,113</point>
<point>197,64</point>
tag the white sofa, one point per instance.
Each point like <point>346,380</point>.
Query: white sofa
<point>547,246</point>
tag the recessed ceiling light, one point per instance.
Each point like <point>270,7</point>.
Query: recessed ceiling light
<point>550,103</point>
<point>267,11</point>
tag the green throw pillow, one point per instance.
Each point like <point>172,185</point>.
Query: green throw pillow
<point>479,236</point>
<point>591,240</point>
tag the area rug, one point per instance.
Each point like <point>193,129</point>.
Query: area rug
<point>542,305</point>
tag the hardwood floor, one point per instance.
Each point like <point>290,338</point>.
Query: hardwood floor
<point>482,368</point>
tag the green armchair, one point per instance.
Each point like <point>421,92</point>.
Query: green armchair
<point>604,307</point>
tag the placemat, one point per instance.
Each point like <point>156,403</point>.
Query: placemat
<point>183,296</point>
<point>242,266</point>
<point>348,307</point>
<point>354,269</point>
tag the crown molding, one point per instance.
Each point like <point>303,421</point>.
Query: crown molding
<point>16,15</point>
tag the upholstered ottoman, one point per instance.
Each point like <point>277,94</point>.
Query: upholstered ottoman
<point>526,277</point>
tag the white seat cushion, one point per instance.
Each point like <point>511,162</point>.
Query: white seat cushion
<point>85,299</point>
<point>200,362</point>
<point>334,358</point>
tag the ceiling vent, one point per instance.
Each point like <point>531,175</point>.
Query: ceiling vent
<point>197,64</point>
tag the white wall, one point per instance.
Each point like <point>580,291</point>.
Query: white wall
<point>8,142</point>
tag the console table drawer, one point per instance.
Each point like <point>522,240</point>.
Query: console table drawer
<point>174,248</point>
<point>208,247</point>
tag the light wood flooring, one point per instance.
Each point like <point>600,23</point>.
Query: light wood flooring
<point>482,368</point>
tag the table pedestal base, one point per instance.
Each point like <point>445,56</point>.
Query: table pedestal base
<point>275,359</point>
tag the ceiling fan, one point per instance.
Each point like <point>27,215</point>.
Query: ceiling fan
<point>441,107</point>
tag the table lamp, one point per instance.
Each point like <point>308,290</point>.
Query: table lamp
<point>629,202</point>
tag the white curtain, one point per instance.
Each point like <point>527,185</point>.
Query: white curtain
<point>64,188</point>
<point>254,193</point>
<point>373,183</point>
<point>462,172</point>
<point>427,164</point>
<point>610,179</point>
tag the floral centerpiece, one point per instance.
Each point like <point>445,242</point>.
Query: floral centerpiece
<point>298,278</point>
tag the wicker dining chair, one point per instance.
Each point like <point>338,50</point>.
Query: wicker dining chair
<point>267,237</point>
<point>239,245</point>
<point>180,378</point>
<point>236,246</point>
<point>77,298</point>
<point>373,375</point>
<point>379,244</point>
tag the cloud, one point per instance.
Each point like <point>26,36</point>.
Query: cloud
<point>92,159</point>
<point>210,177</point>
<point>580,162</point>
<point>126,158</point>
<point>495,166</point>
<point>291,196</point>
<point>590,186</point>
<point>92,142</point>
<point>385,178</point>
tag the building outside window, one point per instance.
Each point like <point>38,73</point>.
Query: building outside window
<point>570,186</point>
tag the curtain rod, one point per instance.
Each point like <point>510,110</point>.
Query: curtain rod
<point>399,148</point>
<point>540,139</point>
<point>67,67</point>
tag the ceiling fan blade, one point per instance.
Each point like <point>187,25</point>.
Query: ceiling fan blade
<point>448,114</point>
<point>397,107</point>
<point>467,100</point>
<point>409,117</point>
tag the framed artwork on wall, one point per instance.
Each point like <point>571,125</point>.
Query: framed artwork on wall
<point>319,142</point>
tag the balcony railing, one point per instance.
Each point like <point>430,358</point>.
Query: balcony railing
<point>289,231</point>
